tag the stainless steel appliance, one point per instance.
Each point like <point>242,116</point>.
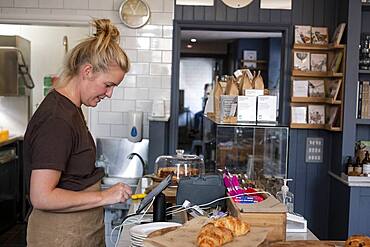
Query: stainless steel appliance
<point>15,78</point>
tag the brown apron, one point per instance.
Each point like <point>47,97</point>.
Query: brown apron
<point>75,229</point>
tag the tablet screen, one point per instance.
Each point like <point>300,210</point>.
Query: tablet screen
<point>158,189</point>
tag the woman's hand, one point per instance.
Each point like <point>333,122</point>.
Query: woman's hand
<point>119,192</point>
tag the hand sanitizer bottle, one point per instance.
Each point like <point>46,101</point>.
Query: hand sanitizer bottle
<point>285,196</point>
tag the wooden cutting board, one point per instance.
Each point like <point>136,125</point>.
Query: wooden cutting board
<point>308,243</point>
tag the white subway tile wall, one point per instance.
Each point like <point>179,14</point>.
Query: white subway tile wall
<point>149,49</point>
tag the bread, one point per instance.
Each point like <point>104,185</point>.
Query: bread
<point>221,231</point>
<point>212,236</point>
<point>181,171</point>
<point>235,225</point>
<point>358,241</point>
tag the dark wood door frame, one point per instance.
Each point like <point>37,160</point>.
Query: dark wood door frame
<point>178,26</point>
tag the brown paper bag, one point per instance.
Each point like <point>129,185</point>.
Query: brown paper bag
<point>246,83</point>
<point>217,97</point>
<point>232,87</point>
<point>258,81</point>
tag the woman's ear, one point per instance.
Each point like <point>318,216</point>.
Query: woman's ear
<point>86,71</point>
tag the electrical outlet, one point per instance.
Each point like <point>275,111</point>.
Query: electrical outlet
<point>314,149</point>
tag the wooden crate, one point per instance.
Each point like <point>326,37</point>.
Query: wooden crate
<point>261,216</point>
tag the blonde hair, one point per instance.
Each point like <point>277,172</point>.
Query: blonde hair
<point>100,50</point>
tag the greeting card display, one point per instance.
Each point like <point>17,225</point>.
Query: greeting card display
<point>319,35</point>
<point>302,61</point>
<point>318,62</point>
<point>302,34</point>
<point>316,88</point>
<point>316,114</point>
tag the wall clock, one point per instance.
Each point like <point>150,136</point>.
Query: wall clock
<point>237,3</point>
<point>134,13</point>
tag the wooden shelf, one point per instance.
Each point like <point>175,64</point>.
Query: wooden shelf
<point>253,61</point>
<point>315,73</point>
<point>317,47</point>
<point>363,121</point>
<point>366,6</point>
<point>315,100</point>
<point>314,126</point>
<point>361,71</point>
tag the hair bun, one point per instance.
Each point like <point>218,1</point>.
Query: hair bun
<point>106,30</point>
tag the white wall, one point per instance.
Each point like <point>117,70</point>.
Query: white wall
<point>149,49</point>
<point>194,74</point>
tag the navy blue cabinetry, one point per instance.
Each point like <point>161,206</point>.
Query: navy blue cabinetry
<point>349,210</point>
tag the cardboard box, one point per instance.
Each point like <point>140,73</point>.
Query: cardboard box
<point>269,213</point>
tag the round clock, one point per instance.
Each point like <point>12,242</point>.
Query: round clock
<point>134,13</point>
<point>237,3</point>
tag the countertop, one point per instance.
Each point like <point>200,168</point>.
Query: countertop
<point>350,183</point>
<point>124,240</point>
<point>11,140</point>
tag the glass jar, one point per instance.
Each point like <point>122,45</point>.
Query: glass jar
<point>179,165</point>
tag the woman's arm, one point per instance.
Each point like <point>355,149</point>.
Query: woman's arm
<point>45,196</point>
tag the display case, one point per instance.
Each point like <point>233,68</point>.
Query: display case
<point>257,153</point>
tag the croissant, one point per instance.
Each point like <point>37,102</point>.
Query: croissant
<point>358,241</point>
<point>212,236</point>
<point>235,225</point>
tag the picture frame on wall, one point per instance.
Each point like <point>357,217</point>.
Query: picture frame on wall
<point>316,88</point>
<point>316,114</point>
<point>319,62</point>
<point>302,34</point>
<point>250,59</point>
<point>301,61</point>
<point>319,35</point>
<point>300,88</point>
<point>332,88</point>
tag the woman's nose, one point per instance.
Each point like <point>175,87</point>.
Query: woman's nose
<point>109,92</point>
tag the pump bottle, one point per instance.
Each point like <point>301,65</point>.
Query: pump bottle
<point>286,197</point>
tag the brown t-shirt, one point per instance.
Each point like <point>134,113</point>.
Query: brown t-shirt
<point>57,138</point>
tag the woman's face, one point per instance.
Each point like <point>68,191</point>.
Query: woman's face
<point>98,85</point>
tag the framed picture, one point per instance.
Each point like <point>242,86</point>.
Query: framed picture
<point>316,114</point>
<point>335,62</point>
<point>299,114</point>
<point>316,88</point>
<point>338,33</point>
<point>302,61</point>
<point>300,88</point>
<point>319,35</point>
<point>302,34</point>
<point>250,59</point>
<point>318,62</point>
<point>332,88</point>
<point>331,114</point>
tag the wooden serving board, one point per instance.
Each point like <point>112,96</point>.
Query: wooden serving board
<point>308,243</point>
<point>186,236</point>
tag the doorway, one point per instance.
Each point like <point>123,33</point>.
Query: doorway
<point>217,50</point>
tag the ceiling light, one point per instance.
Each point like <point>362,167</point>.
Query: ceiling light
<point>189,46</point>
<point>193,40</point>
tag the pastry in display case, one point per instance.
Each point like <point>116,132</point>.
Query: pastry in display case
<point>179,165</point>
<point>254,152</point>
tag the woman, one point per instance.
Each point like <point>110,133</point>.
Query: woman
<point>60,152</point>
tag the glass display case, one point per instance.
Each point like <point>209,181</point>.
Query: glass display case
<point>255,152</point>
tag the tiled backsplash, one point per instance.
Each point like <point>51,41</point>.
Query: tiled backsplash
<point>149,49</point>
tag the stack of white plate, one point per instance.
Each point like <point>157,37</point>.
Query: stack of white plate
<point>140,232</point>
